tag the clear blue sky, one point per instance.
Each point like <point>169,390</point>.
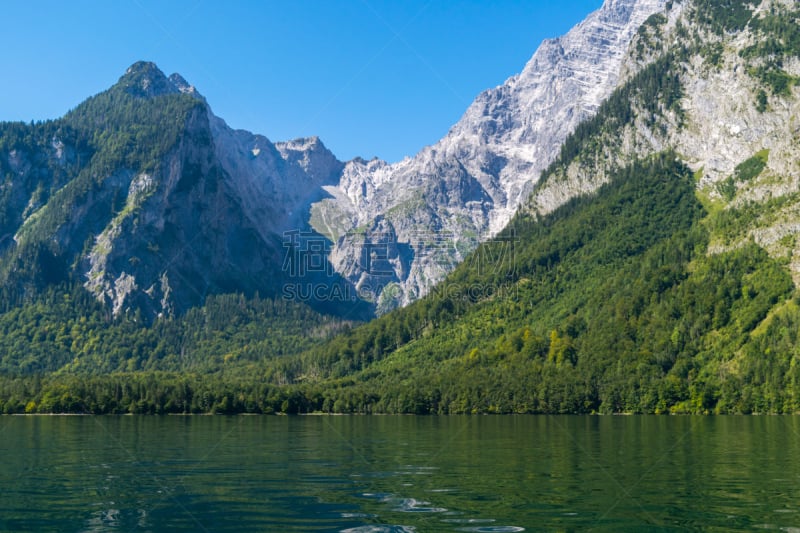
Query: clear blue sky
<point>370,77</point>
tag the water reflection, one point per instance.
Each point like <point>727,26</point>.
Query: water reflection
<point>484,474</point>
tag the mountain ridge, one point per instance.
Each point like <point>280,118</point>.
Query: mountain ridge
<point>152,139</point>
<point>679,299</point>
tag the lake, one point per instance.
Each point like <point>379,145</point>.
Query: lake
<point>400,473</point>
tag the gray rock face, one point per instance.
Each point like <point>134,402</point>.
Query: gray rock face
<point>182,234</point>
<point>466,187</point>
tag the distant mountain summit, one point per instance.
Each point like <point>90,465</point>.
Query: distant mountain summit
<point>439,204</point>
<point>145,79</point>
<point>151,202</point>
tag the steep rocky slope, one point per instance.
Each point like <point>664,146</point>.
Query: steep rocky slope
<point>152,202</point>
<point>436,206</point>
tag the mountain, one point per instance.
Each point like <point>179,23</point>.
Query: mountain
<point>653,268</point>
<point>151,202</point>
<point>428,212</point>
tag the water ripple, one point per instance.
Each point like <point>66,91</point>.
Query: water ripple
<point>380,529</point>
<point>469,520</point>
<point>412,505</point>
<point>482,529</point>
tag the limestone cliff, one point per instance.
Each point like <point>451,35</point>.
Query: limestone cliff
<point>466,187</point>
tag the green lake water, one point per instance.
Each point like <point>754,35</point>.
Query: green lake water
<point>395,473</point>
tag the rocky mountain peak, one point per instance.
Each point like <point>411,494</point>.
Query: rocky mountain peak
<point>184,86</point>
<point>466,187</point>
<point>145,79</point>
<point>722,95</point>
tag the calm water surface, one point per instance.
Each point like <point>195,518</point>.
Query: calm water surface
<point>373,474</point>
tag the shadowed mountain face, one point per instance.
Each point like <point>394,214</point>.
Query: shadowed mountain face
<point>151,202</point>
